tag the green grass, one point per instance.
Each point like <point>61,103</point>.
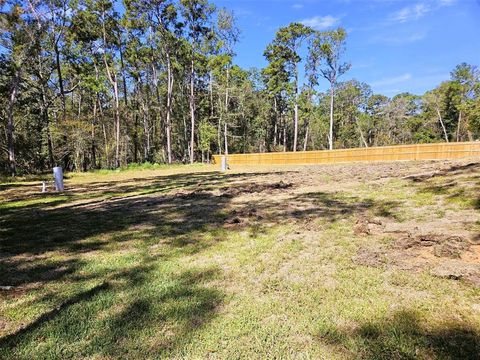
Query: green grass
<point>145,268</point>
<point>145,166</point>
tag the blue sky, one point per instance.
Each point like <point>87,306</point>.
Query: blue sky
<point>393,45</point>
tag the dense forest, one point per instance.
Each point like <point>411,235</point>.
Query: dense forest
<point>90,84</point>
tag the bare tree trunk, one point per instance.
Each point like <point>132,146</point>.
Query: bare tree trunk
<point>275,126</point>
<point>245,130</point>
<point>125,99</point>
<point>50,146</point>
<point>79,112</point>
<point>225,126</point>
<point>226,141</point>
<point>362,137</point>
<point>58,66</point>
<point>212,114</point>
<point>105,144</point>
<point>295,110</point>
<point>219,134</point>
<point>330,134</point>
<point>96,106</point>
<point>459,125</point>
<point>192,112</point>
<point>146,133</point>
<point>168,125</point>
<point>226,94</point>
<point>135,139</point>
<point>185,137</point>
<point>60,80</point>
<point>117,125</point>
<point>46,120</point>
<point>114,82</point>
<point>210,91</point>
<point>136,100</point>
<point>94,124</point>
<point>112,77</point>
<point>104,131</point>
<point>124,78</point>
<point>305,141</point>
<point>156,130</point>
<point>442,124</point>
<point>11,124</point>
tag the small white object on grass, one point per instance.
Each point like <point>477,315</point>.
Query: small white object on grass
<point>58,178</point>
<point>44,186</point>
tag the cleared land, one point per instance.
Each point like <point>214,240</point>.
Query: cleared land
<point>340,261</point>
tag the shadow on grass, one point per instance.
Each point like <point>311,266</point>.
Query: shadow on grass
<point>134,187</point>
<point>13,338</point>
<point>457,184</point>
<point>462,169</point>
<point>317,206</point>
<point>403,336</point>
<point>124,316</point>
<point>145,301</point>
<point>8,186</point>
<point>178,220</point>
<point>183,307</point>
<point>332,205</point>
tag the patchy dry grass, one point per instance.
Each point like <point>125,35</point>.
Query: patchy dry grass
<point>334,262</point>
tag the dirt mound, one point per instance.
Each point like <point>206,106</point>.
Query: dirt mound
<point>446,256</point>
<point>366,226</point>
<point>243,216</point>
<point>240,189</point>
<point>443,245</point>
<point>457,270</point>
<point>190,195</point>
<point>453,248</point>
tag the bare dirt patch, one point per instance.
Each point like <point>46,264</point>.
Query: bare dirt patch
<point>3,323</point>
<point>375,257</point>
<point>10,292</point>
<point>240,189</point>
<point>433,232</point>
<point>451,257</point>
<point>365,226</point>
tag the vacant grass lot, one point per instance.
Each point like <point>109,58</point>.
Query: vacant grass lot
<point>376,261</point>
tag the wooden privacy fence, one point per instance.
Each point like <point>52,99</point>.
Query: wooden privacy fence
<point>440,151</point>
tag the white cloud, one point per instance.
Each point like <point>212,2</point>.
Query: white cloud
<point>321,22</point>
<point>413,12</point>
<point>392,80</point>
<point>418,10</point>
<point>297,6</point>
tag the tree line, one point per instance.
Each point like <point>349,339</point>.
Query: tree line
<point>90,84</point>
